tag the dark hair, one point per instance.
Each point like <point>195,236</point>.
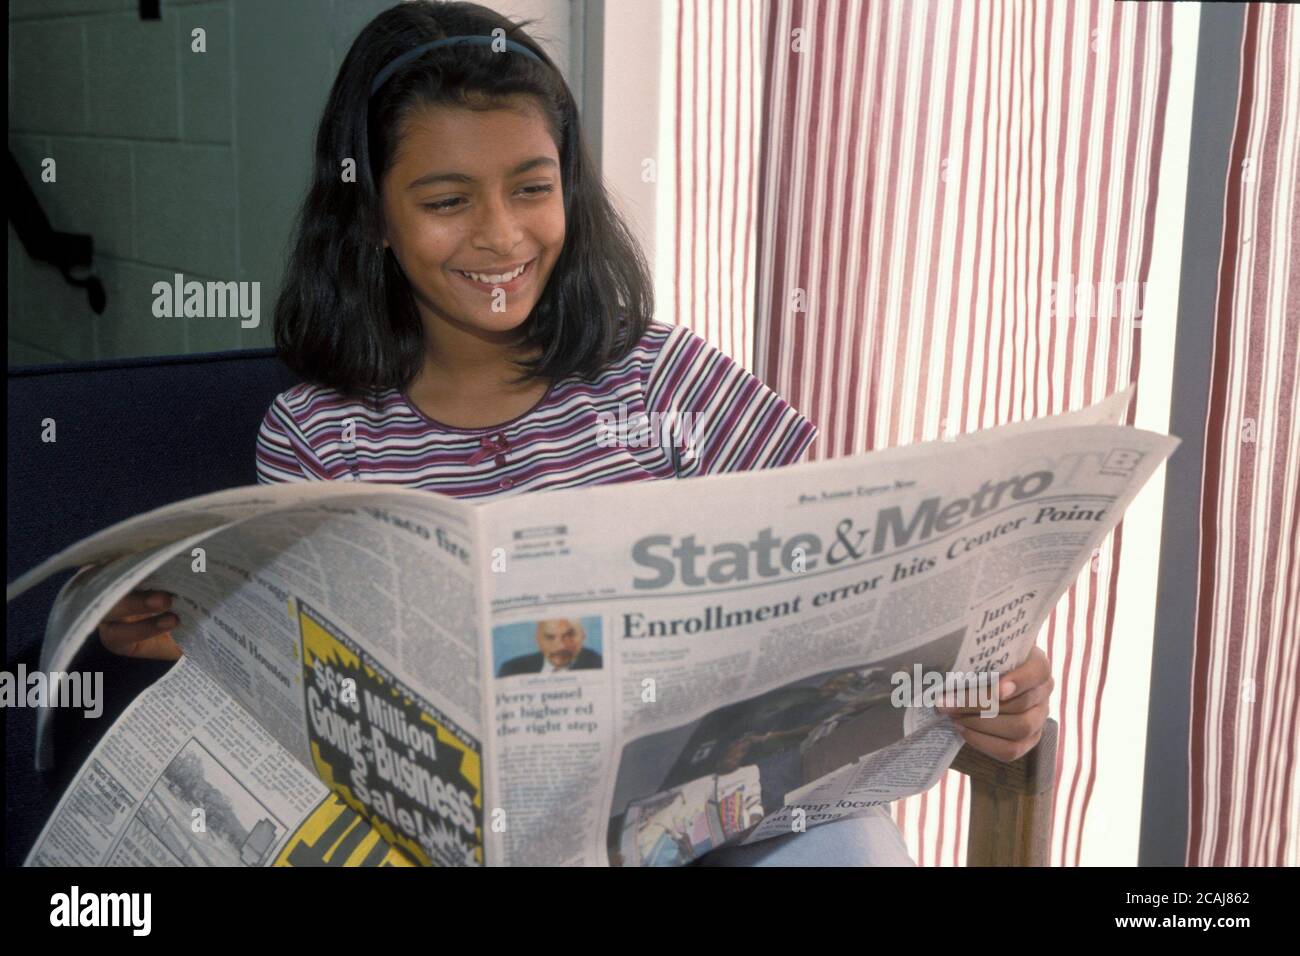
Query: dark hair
<point>346,317</point>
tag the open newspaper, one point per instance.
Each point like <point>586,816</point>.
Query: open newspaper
<point>627,675</point>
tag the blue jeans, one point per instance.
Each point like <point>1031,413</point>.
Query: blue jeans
<point>869,838</point>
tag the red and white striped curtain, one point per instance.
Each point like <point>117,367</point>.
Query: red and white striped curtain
<point>918,219</point>
<point>707,277</point>
<point>1244,806</point>
<point>934,172</point>
<point>922,178</point>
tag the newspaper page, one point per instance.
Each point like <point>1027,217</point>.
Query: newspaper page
<point>193,517</point>
<point>683,665</point>
<point>187,777</point>
<point>635,673</point>
<point>118,558</point>
<point>351,633</point>
<point>346,625</point>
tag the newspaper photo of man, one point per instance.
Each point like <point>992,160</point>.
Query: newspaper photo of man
<point>560,648</point>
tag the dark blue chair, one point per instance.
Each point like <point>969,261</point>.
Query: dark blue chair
<point>131,435</point>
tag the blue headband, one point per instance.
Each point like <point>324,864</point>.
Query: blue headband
<point>387,72</point>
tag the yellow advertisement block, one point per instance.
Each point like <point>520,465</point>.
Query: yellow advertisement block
<point>336,835</point>
<point>399,762</point>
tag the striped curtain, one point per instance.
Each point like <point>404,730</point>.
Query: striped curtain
<point>1244,800</point>
<point>713,99</point>
<point>953,193</point>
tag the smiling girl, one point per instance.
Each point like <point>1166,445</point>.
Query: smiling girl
<point>465,307</point>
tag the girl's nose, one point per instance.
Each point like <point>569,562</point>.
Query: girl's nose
<point>497,229</point>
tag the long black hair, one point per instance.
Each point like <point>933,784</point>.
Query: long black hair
<point>346,316</point>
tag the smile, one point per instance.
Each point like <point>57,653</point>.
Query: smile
<point>495,280</point>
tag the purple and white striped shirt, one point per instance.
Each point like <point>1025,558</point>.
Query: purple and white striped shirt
<point>673,406</point>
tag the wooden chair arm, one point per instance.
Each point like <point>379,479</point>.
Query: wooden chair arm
<point>1011,804</point>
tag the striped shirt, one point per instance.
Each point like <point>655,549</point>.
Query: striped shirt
<point>674,406</point>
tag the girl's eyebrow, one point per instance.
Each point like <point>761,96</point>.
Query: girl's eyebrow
<point>525,166</point>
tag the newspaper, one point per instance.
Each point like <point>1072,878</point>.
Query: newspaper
<point>627,675</point>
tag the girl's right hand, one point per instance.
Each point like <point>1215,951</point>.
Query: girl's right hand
<point>139,625</point>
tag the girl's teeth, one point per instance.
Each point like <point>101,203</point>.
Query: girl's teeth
<point>495,280</point>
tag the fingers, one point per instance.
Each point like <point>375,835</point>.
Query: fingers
<point>1022,712</point>
<point>147,638</point>
<point>1007,726</point>
<point>1019,689</point>
<point>1018,704</point>
<point>1035,670</point>
<point>1006,736</point>
<point>1028,699</point>
<point>160,648</point>
<point>998,747</point>
<point>117,634</point>
<point>140,603</point>
<point>135,628</point>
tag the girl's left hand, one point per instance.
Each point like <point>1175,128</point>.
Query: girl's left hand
<point>1022,711</point>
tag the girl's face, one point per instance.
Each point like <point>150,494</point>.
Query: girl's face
<point>476,192</point>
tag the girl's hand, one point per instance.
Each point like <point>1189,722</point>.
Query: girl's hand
<point>139,625</point>
<point>1022,711</point>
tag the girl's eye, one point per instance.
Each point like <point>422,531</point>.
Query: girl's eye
<point>446,204</point>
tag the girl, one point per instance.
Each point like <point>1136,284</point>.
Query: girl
<point>463,302</point>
